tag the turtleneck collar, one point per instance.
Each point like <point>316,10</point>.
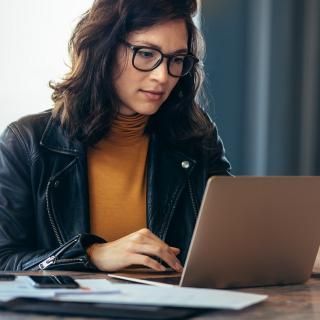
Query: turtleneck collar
<point>127,129</point>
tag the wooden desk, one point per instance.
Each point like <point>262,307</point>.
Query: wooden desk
<point>287,302</point>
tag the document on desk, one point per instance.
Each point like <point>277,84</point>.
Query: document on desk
<point>172,297</point>
<point>21,287</point>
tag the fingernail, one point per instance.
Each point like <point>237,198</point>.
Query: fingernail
<point>162,268</point>
<point>178,267</point>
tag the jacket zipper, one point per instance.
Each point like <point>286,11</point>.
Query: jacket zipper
<point>53,259</point>
<point>164,233</point>
<point>194,206</point>
<point>52,219</point>
<point>51,214</point>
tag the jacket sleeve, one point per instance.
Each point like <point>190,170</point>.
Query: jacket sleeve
<point>218,164</point>
<point>19,249</point>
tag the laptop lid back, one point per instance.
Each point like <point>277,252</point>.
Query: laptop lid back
<point>254,231</point>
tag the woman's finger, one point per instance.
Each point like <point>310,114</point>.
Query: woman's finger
<point>161,252</point>
<point>146,234</point>
<point>140,259</point>
<point>175,250</point>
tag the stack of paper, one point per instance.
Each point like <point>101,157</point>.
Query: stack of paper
<point>172,297</point>
<point>102,290</point>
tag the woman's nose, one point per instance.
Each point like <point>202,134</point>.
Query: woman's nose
<point>161,72</point>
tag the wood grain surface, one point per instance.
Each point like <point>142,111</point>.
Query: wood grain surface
<point>285,302</point>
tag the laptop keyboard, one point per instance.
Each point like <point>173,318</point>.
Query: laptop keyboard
<point>169,280</point>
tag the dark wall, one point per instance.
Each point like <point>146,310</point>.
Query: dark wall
<point>224,28</point>
<point>263,71</point>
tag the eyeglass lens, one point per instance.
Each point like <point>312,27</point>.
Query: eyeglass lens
<point>147,59</point>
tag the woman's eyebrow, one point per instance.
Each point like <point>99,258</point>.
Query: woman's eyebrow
<point>152,45</point>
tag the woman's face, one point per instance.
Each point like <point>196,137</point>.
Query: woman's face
<point>144,92</point>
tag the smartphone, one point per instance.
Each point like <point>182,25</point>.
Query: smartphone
<point>7,277</point>
<point>53,281</point>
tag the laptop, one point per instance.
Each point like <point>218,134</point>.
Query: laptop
<point>251,231</point>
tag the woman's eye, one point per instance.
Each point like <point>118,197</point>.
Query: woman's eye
<point>145,54</point>
<point>178,60</point>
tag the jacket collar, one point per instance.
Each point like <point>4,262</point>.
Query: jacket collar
<point>55,139</point>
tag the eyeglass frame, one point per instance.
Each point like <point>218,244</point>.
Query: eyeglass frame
<point>136,48</point>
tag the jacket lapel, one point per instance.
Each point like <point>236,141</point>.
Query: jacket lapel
<point>167,175</point>
<point>54,139</point>
<point>67,188</point>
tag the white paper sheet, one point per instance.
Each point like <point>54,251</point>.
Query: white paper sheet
<point>173,297</point>
<point>90,286</point>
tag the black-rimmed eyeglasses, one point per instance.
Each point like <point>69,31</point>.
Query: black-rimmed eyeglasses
<point>147,59</point>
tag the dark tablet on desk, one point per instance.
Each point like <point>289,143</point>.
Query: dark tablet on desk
<point>105,310</point>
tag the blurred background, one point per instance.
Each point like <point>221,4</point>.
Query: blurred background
<point>262,62</point>
<point>34,37</point>
<point>263,66</point>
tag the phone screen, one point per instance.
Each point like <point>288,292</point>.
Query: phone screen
<point>7,277</point>
<point>54,282</point>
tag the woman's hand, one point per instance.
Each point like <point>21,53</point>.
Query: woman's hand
<point>134,249</point>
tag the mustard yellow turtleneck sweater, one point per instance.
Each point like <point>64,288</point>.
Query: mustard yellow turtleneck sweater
<point>117,179</point>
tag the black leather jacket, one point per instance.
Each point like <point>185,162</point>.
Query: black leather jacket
<point>44,212</point>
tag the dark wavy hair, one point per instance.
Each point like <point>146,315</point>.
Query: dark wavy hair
<point>86,102</point>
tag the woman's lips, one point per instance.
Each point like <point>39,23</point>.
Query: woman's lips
<point>152,95</point>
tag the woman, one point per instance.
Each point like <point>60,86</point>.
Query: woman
<point>113,176</point>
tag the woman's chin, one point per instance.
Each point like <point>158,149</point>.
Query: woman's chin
<point>147,109</point>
